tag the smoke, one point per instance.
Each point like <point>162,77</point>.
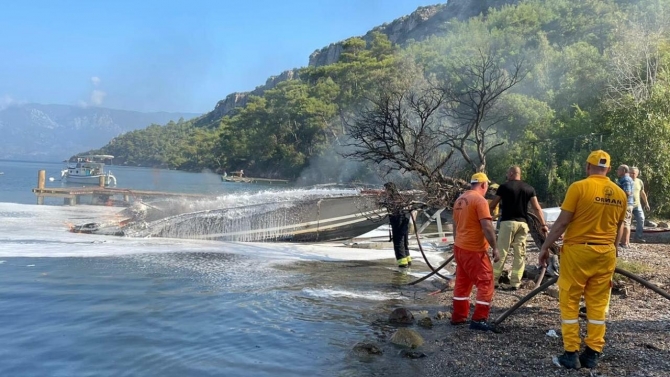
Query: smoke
<point>330,167</point>
<point>97,96</point>
<point>6,101</point>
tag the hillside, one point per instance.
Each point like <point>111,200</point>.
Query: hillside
<point>557,78</point>
<point>56,132</point>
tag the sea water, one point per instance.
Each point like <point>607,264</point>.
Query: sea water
<point>89,305</point>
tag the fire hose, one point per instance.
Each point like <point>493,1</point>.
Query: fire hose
<point>539,238</point>
<point>425,258</point>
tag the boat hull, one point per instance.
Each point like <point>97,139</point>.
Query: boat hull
<point>91,179</point>
<point>304,220</point>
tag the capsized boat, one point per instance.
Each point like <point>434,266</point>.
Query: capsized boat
<point>88,169</point>
<point>307,219</point>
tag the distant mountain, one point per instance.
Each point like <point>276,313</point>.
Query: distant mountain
<point>56,132</point>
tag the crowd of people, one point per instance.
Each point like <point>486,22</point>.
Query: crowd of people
<point>594,221</point>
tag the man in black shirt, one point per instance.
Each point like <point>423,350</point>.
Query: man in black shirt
<point>515,195</point>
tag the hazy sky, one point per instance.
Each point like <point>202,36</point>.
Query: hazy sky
<point>167,55</point>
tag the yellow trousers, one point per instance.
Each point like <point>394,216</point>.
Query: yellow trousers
<point>585,270</point>
<point>512,236</point>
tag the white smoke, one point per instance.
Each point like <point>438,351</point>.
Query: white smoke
<point>97,95</point>
<point>6,101</point>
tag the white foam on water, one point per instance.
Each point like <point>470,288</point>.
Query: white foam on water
<point>381,232</point>
<point>43,231</point>
<point>371,295</point>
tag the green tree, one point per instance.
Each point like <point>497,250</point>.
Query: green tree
<point>641,137</point>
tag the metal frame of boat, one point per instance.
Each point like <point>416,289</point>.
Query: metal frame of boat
<point>88,169</point>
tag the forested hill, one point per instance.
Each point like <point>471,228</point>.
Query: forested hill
<point>585,74</point>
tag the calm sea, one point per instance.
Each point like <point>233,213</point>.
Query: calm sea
<point>89,305</point>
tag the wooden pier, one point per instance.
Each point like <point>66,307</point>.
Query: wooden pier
<point>99,194</point>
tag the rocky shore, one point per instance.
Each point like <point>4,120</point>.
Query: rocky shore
<point>638,333</point>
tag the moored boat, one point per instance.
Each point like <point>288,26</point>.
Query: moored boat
<point>88,170</point>
<point>236,179</point>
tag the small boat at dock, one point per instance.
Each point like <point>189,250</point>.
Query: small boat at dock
<point>236,179</point>
<point>88,170</point>
<point>241,179</point>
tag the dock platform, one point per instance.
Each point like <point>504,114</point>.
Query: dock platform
<point>99,194</point>
<point>71,196</point>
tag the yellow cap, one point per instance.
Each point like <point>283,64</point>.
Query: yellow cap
<point>599,158</point>
<point>479,178</point>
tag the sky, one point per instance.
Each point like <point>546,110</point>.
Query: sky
<point>168,55</point>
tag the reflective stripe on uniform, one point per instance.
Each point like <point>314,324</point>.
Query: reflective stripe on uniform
<point>461,298</point>
<point>569,321</point>
<point>596,322</point>
<point>482,303</point>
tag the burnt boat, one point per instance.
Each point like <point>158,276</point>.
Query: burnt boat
<point>311,219</point>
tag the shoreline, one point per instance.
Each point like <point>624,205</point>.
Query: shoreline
<point>637,339</point>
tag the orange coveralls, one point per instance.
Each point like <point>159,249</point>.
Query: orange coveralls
<point>473,266</point>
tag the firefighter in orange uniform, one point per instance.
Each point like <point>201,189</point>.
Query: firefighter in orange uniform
<point>473,233</point>
<point>591,216</point>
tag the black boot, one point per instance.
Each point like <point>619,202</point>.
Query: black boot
<point>589,358</point>
<point>481,325</point>
<point>570,360</point>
